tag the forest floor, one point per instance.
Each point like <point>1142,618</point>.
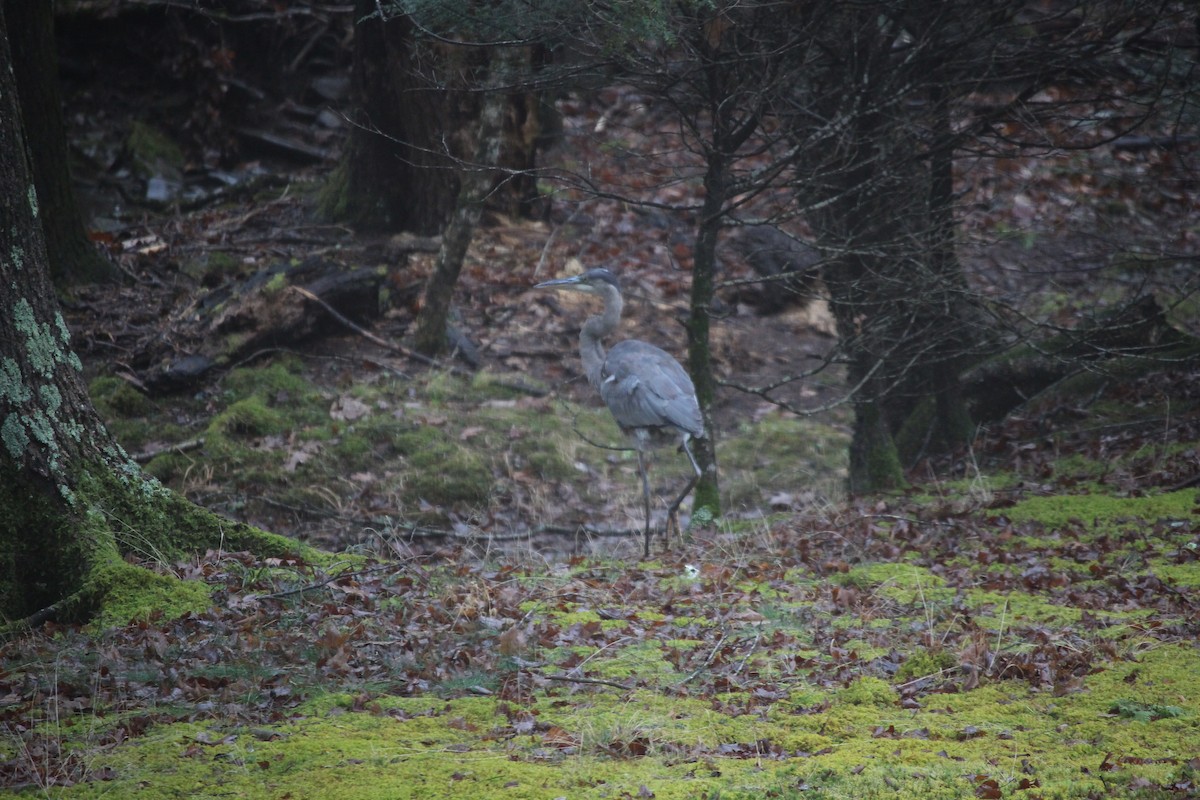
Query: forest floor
<point>476,619</point>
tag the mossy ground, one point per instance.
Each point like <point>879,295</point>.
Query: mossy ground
<point>771,674</point>
<point>389,456</point>
<point>968,639</point>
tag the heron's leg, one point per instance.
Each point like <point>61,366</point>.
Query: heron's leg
<point>645,499</point>
<point>672,512</point>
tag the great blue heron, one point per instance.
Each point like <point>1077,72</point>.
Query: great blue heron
<point>647,391</point>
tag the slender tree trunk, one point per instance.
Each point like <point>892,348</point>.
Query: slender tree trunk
<point>951,335</point>
<point>874,461</point>
<point>867,300</point>
<point>860,198</point>
<point>476,180</point>
<point>73,258</point>
<point>704,263</point>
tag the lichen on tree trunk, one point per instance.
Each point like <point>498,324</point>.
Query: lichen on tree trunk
<point>73,502</point>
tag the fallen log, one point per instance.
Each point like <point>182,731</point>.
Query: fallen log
<point>1001,383</point>
<point>1134,339</point>
<point>233,322</point>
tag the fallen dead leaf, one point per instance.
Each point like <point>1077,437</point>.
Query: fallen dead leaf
<point>348,409</point>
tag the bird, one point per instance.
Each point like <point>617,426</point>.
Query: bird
<point>647,391</point>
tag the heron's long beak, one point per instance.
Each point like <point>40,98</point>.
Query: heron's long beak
<point>574,280</point>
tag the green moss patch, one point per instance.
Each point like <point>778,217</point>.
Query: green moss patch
<point>1098,742</point>
<point>899,576</point>
<point>752,676</point>
<point>289,453</point>
<point>248,417</point>
<point>113,396</point>
<point>1095,510</point>
<point>782,458</point>
<point>131,593</point>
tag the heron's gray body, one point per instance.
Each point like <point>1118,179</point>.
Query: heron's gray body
<point>648,393</point>
<point>646,389</point>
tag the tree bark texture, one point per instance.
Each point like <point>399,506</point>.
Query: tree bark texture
<point>396,173</point>
<point>73,258</point>
<point>704,267</point>
<point>47,424</point>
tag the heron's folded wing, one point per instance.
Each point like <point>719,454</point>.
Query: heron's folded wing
<point>643,386</point>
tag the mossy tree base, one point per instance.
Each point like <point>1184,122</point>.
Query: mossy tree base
<point>84,565</point>
<point>706,499</point>
<point>874,460</point>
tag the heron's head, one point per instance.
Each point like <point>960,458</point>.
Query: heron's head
<point>593,281</point>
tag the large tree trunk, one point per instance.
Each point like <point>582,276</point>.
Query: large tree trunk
<point>73,258</point>
<point>73,502</point>
<point>395,173</point>
<point>418,107</point>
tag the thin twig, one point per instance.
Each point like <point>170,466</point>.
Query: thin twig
<point>537,271</point>
<point>384,343</point>
<point>598,681</point>
<point>707,662</point>
<point>584,436</point>
<point>33,620</point>
<point>906,684</point>
<point>150,454</point>
<point>326,582</point>
<point>753,649</point>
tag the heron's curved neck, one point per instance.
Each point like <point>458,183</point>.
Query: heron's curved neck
<point>591,347</point>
